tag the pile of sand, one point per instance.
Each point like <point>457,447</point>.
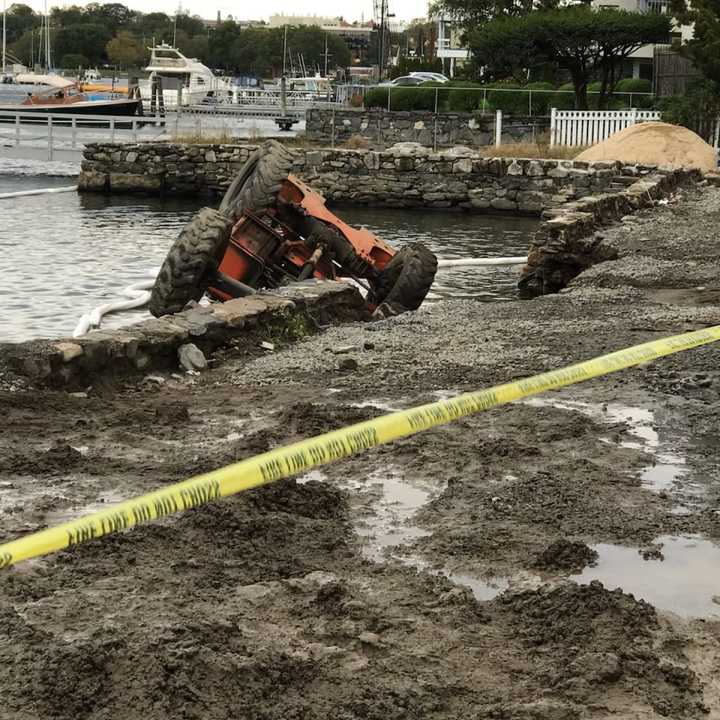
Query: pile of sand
<point>655,143</point>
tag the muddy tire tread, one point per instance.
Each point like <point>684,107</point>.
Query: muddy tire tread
<point>199,245</point>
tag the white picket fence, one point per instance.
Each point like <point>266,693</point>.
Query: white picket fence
<point>587,127</point>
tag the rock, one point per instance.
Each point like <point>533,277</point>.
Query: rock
<point>598,667</point>
<point>267,345</point>
<point>191,357</point>
<point>157,379</point>
<point>367,345</point>
<point>69,350</point>
<point>343,349</point>
<point>564,554</point>
<point>515,169</point>
<point>348,364</point>
<point>369,638</point>
<point>256,592</point>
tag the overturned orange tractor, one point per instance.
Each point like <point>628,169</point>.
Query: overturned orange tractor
<point>270,230</point>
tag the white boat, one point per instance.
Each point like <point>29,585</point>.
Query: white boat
<point>48,80</point>
<point>194,80</point>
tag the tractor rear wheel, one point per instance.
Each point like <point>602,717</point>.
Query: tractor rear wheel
<point>185,274</point>
<point>406,279</point>
<point>259,180</point>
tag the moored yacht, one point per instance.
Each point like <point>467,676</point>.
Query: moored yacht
<point>194,80</point>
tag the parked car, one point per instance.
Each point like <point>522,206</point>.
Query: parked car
<point>404,81</point>
<point>430,77</point>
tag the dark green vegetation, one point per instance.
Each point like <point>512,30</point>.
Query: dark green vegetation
<point>587,44</point>
<point>113,34</point>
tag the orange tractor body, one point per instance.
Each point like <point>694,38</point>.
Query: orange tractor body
<point>257,241</point>
<point>272,229</point>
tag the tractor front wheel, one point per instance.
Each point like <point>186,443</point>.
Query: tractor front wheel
<point>185,274</point>
<point>405,281</point>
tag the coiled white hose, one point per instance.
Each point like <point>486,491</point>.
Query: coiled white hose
<point>138,294</point>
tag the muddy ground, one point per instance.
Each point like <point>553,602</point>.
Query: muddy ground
<point>455,574</point>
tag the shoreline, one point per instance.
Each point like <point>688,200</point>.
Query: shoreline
<point>477,609</point>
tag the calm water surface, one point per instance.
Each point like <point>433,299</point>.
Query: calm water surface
<point>61,255</point>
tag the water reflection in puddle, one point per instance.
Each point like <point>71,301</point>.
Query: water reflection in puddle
<point>667,467</point>
<point>685,582</point>
<point>388,527</point>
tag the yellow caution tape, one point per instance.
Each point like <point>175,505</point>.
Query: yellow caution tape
<point>323,449</point>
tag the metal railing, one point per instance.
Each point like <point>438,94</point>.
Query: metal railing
<point>534,100</point>
<point>72,132</point>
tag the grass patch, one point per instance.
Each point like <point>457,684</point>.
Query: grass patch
<point>532,150</point>
<point>221,137</point>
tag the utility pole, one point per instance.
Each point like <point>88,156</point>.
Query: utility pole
<point>326,55</point>
<point>4,36</point>
<point>284,51</point>
<point>381,40</point>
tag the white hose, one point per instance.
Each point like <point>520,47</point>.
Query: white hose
<point>39,191</point>
<point>139,294</point>
<point>470,262</point>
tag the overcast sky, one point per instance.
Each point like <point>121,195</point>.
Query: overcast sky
<point>245,10</point>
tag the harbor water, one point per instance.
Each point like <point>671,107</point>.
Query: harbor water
<point>61,255</point>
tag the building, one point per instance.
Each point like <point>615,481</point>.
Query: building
<point>356,35</point>
<point>640,63</point>
<point>449,46</point>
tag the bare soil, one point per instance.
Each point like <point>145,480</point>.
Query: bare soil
<point>433,578</point>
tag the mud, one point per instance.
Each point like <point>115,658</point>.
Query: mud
<point>445,576</point>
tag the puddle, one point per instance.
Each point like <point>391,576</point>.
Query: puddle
<point>379,404</point>
<point>316,475</point>
<point>104,502</point>
<point>387,525</point>
<point>667,468</point>
<point>684,583</point>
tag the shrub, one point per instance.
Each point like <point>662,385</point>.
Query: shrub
<point>563,100</point>
<point>511,103</point>
<point>541,102</point>
<point>635,85</point>
<point>376,97</point>
<point>697,109</point>
<point>464,97</point>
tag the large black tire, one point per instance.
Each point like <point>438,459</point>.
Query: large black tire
<point>259,180</point>
<point>406,279</point>
<point>184,276</point>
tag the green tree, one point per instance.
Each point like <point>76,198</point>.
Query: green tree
<point>471,14</point>
<point>86,39</point>
<point>588,44</point>
<point>19,19</point>
<point>73,62</point>
<point>124,50</point>
<point>704,47</point>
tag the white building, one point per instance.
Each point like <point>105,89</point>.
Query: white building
<point>449,48</point>
<point>642,59</point>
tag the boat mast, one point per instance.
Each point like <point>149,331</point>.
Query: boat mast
<point>48,60</point>
<point>4,35</point>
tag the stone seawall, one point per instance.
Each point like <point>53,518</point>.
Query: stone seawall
<point>567,242</point>
<point>406,175</point>
<point>277,317</point>
<point>384,128</point>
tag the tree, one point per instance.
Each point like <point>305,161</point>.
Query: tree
<point>19,19</point>
<point>704,47</point>
<point>584,42</point>
<point>73,62</point>
<point>472,14</point>
<point>124,50</point>
<point>85,39</point>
